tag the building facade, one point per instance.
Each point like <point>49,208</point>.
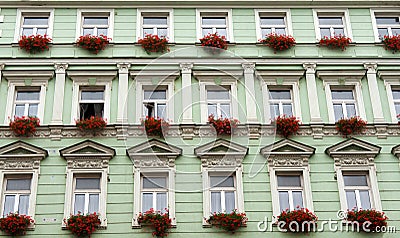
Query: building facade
<point>120,172</point>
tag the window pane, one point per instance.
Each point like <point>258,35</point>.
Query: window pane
<point>272,20</point>
<point>87,183</point>
<point>279,94</point>
<point>284,200</point>
<point>102,31</point>
<point>206,31</point>
<point>289,181</point>
<point>338,31</point>
<point>216,202</point>
<point>365,201</point>
<point>95,20</point>
<point>148,109</point>
<point>222,181</point>
<point>147,31</point>
<point>27,31</point>
<point>27,95</point>
<point>397,108</point>
<point>226,110</point>
<point>280,31</point>
<point>88,31</point>
<point>18,184</point>
<point>387,20</point>
<point>325,32</point>
<point>297,199</point>
<point>274,109</point>
<point>33,110</point>
<point>330,20</point>
<point>162,32</point>
<point>229,201</point>
<point>265,31</point>
<point>396,94</point>
<point>23,205</point>
<point>155,94</point>
<point>351,110</point>
<point>212,109</point>
<point>213,21</point>
<point>88,110</point>
<point>217,94</point>
<point>383,32</point>
<point>147,201</point>
<point>41,31</point>
<point>92,95</point>
<point>9,204</point>
<point>34,21</point>
<point>154,182</point>
<point>396,31</point>
<point>161,110</point>
<point>355,180</point>
<point>93,203</point>
<point>342,94</point>
<point>19,110</point>
<point>338,110</point>
<point>221,32</point>
<point>287,109</point>
<point>79,205</point>
<point>351,200</point>
<point>155,20</point>
<point>161,201</point>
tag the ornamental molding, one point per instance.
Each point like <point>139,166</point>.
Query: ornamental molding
<point>123,68</point>
<point>396,151</point>
<point>371,68</point>
<point>20,155</point>
<point>24,75</point>
<point>87,75</point>
<point>60,68</point>
<point>155,75</point>
<point>222,74</point>
<point>248,68</point>
<point>310,67</point>
<point>346,75</point>
<point>87,163</point>
<point>186,68</point>
<point>354,161</point>
<point>284,76</point>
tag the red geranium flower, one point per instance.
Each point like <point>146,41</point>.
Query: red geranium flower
<point>160,222</point>
<point>350,126</point>
<point>391,43</point>
<point>154,43</point>
<point>299,220</point>
<point>15,225</point>
<point>93,43</point>
<point>376,219</point>
<point>215,42</point>
<point>24,126</point>
<point>92,124</point>
<point>155,126</point>
<point>83,225</point>
<point>278,42</point>
<point>34,43</point>
<point>286,126</point>
<point>335,42</point>
<point>223,126</point>
<point>230,222</point>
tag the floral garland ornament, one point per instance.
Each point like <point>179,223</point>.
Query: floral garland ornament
<point>154,44</point>
<point>391,43</point>
<point>223,126</point>
<point>278,42</point>
<point>229,222</point>
<point>24,126</point>
<point>368,220</point>
<point>155,126</point>
<point>214,43</point>
<point>34,43</point>
<point>350,126</point>
<point>91,125</point>
<point>15,225</point>
<point>160,222</point>
<point>286,126</point>
<point>93,44</point>
<point>297,221</point>
<point>335,42</point>
<point>83,225</point>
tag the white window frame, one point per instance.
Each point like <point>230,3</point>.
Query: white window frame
<point>154,191</point>
<point>86,193</point>
<point>390,79</point>
<point>345,102</point>
<point>88,89</point>
<point>290,189</point>
<point>81,13</point>
<point>382,12</point>
<point>349,161</point>
<point>344,13</point>
<point>273,13</point>
<point>347,80</point>
<point>95,79</point>
<point>217,13</point>
<point>155,102</point>
<point>357,189</point>
<point>26,103</point>
<point>169,13</point>
<point>21,13</point>
<point>7,177</point>
<point>218,102</point>
<point>222,190</point>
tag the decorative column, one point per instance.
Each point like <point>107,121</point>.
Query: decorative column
<point>123,75</point>
<point>251,104</point>
<point>374,92</point>
<point>187,115</point>
<point>312,93</point>
<point>58,104</point>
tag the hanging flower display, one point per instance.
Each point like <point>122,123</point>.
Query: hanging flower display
<point>350,126</point>
<point>155,126</point>
<point>223,126</point>
<point>160,222</point>
<point>24,126</point>
<point>214,43</point>
<point>91,125</point>
<point>286,126</point>
<point>391,43</point>
<point>15,225</point>
<point>93,44</point>
<point>335,42</point>
<point>297,221</point>
<point>368,220</point>
<point>229,222</point>
<point>34,43</point>
<point>154,44</point>
<point>83,225</point>
<point>278,42</point>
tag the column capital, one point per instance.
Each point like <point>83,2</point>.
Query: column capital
<point>310,67</point>
<point>60,68</point>
<point>248,68</point>
<point>371,67</point>
<point>186,68</point>
<point>123,68</point>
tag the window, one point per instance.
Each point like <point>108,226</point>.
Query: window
<point>86,194</point>
<point>16,197</point>
<point>392,84</point>
<point>214,21</point>
<point>223,193</point>
<point>95,22</point>
<point>357,189</point>
<point>154,193</point>
<point>396,99</point>
<point>280,102</point>
<point>155,103</point>
<point>385,24</point>
<point>219,101</point>
<point>34,22</point>
<point>156,22</point>
<point>344,103</point>
<point>91,102</point>
<point>272,21</point>
<point>332,23</point>
<point>290,189</point>
<point>27,101</point>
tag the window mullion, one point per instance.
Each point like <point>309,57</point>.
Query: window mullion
<point>344,110</point>
<point>155,201</point>
<point>86,203</point>
<point>26,109</point>
<point>280,108</point>
<point>358,198</point>
<point>16,202</point>
<point>291,205</point>
<point>223,205</point>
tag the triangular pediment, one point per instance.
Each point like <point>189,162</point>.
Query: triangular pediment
<point>353,146</point>
<point>154,147</point>
<point>396,151</point>
<point>19,148</point>
<point>287,147</point>
<point>221,147</point>
<point>87,148</point>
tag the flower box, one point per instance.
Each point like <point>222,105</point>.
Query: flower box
<point>24,126</point>
<point>93,44</point>
<point>34,43</point>
<point>91,125</point>
<point>392,43</point>
<point>368,220</point>
<point>159,222</point>
<point>214,43</point>
<point>154,44</point>
<point>300,220</point>
<point>278,42</point>
<point>350,126</point>
<point>83,225</point>
<point>223,126</point>
<point>15,225</point>
<point>229,222</point>
<point>335,42</point>
<point>155,126</point>
<point>286,126</point>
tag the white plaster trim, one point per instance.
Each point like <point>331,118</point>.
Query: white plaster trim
<point>381,11</point>
<point>155,12</point>
<point>95,12</point>
<point>390,79</point>
<point>215,12</point>
<point>273,12</point>
<point>335,12</point>
<point>26,11</point>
